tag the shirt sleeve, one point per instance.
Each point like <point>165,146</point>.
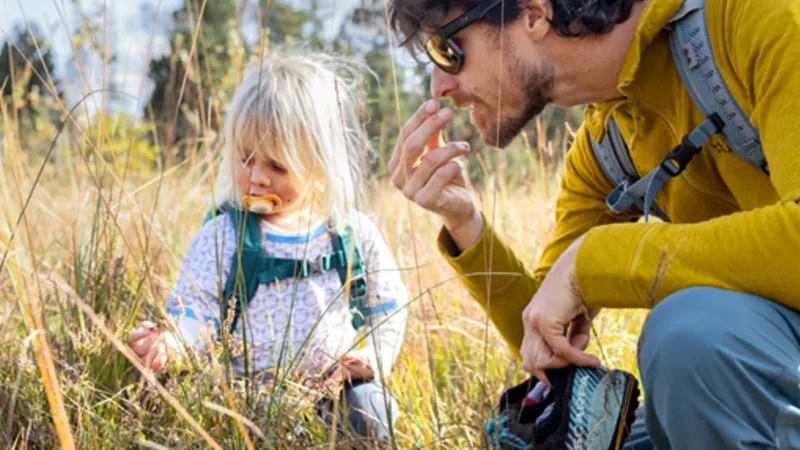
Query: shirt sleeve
<point>755,251</point>
<point>194,303</point>
<point>387,298</point>
<point>511,286</point>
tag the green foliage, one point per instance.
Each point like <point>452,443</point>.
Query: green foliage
<point>123,143</point>
<point>26,65</point>
<point>196,75</point>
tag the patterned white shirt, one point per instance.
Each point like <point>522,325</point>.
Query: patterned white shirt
<point>300,323</point>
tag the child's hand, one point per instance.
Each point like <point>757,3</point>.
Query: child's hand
<point>352,366</point>
<point>147,341</point>
<point>357,366</point>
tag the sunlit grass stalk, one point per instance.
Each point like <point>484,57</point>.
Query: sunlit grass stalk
<point>41,348</point>
<point>128,353</point>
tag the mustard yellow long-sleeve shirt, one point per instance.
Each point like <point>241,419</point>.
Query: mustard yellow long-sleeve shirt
<point>732,226</point>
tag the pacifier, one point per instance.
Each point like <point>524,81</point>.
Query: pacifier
<point>262,204</point>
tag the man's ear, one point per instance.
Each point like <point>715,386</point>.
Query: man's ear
<point>537,14</point>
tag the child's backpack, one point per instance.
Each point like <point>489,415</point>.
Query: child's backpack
<point>252,267</point>
<point>691,50</point>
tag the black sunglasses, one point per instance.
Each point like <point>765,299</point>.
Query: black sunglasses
<point>440,46</point>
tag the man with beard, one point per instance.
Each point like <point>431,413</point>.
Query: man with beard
<point>720,353</point>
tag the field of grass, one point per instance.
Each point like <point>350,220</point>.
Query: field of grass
<point>91,242</point>
<point>98,248</point>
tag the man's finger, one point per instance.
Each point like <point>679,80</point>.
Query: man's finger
<point>532,349</point>
<point>431,193</point>
<point>549,360</point>
<point>423,112</point>
<point>538,371</point>
<point>579,332</point>
<point>415,144</point>
<point>430,163</point>
<point>433,143</point>
<point>579,341</point>
<point>561,347</point>
<point>541,376</point>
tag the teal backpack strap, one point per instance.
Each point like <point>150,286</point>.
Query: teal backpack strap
<point>217,210</point>
<point>691,49</point>
<point>243,279</point>
<point>251,267</point>
<point>358,284</point>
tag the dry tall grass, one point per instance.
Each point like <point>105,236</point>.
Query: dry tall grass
<point>91,241</point>
<point>94,252</point>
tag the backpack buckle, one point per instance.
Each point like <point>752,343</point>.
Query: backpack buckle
<point>315,265</point>
<point>320,264</point>
<point>675,162</point>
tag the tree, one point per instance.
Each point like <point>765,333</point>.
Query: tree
<point>363,36</point>
<point>21,67</point>
<point>181,109</point>
<point>282,22</point>
<point>215,66</point>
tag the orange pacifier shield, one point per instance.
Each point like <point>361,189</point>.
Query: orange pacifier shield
<point>262,204</point>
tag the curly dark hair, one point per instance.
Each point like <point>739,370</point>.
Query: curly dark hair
<point>571,18</point>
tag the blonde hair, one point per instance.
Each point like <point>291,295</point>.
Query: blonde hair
<point>299,109</point>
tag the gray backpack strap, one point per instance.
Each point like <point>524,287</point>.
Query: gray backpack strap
<point>615,161</point>
<point>694,59</point>
<point>612,155</point>
<point>643,192</point>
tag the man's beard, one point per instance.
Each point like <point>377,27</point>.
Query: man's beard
<point>537,94</point>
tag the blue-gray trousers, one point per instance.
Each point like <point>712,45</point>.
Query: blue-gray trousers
<point>720,370</point>
<point>368,406</point>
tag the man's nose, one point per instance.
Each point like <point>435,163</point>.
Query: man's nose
<point>442,83</point>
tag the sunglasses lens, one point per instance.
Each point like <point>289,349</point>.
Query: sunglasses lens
<point>443,54</point>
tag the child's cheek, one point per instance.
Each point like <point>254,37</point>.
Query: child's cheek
<point>241,182</point>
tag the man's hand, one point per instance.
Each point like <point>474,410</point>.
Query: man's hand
<point>556,321</point>
<point>148,342</point>
<point>428,172</point>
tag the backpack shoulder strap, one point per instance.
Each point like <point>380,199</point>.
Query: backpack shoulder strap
<point>351,273</point>
<point>691,50</point>
<point>614,159</point>
<point>216,210</point>
<point>251,267</point>
<point>243,279</point>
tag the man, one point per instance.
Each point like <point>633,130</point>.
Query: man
<point>720,352</point>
